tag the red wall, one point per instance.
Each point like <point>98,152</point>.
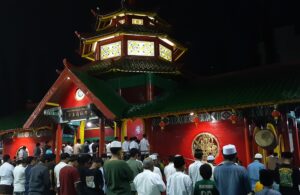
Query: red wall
<point>69,101</point>
<point>95,133</point>
<point>135,128</point>
<point>177,139</point>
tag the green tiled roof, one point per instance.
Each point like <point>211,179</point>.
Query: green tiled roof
<point>263,86</point>
<point>149,65</point>
<point>104,93</point>
<point>14,121</point>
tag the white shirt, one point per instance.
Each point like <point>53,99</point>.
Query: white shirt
<point>91,149</point>
<point>194,171</point>
<point>157,171</point>
<point>125,146</point>
<point>68,149</point>
<point>179,184</point>
<point>144,146</point>
<point>133,144</point>
<point>148,183</point>
<point>108,152</point>
<point>57,169</point>
<point>19,178</point>
<point>104,184</point>
<point>169,170</point>
<point>77,148</point>
<point>6,174</point>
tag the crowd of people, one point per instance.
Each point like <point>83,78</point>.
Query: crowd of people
<point>129,169</point>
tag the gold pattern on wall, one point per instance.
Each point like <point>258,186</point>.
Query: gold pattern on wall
<point>165,53</point>
<point>140,48</point>
<point>208,143</point>
<point>110,50</point>
<point>137,21</point>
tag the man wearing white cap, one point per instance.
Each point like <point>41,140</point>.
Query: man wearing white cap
<point>117,173</point>
<point>156,169</point>
<point>231,179</point>
<point>211,162</point>
<point>254,168</point>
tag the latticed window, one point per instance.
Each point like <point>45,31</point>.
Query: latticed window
<point>111,50</point>
<point>140,48</point>
<point>137,21</point>
<point>165,53</point>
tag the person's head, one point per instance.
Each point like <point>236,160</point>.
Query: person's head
<point>68,143</point>
<point>134,153</point>
<point>24,147</point>
<point>144,136</point>
<point>154,158</point>
<point>126,138</point>
<point>229,152</point>
<point>78,141</point>
<point>258,157</point>
<point>266,177</point>
<point>116,149</point>
<point>116,138</point>
<point>179,163</point>
<point>73,160</point>
<point>275,154</point>
<point>171,158</point>
<point>206,171</point>
<point>31,160</point>
<point>84,160</point>
<point>210,158</point>
<point>65,157</point>
<point>97,162</point>
<point>6,158</point>
<point>198,154</point>
<point>49,158</point>
<point>38,144</point>
<point>148,164</point>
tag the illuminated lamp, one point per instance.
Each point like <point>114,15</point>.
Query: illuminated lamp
<point>233,117</point>
<point>162,124</point>
<point>89,124</point>
<point>276,114</point>
<point>79,95</point>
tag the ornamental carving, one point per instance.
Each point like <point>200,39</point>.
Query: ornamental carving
<point>208,143</point>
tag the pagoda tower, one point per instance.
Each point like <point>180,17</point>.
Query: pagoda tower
<point>133,51</point>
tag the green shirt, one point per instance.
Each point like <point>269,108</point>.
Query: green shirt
<point>205,187</point>
<point>117,176</point>
<point>136,167</point>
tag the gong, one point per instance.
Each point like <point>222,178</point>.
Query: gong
<point>266,139</point>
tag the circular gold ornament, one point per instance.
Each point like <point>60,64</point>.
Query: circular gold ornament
<point>208,143</point>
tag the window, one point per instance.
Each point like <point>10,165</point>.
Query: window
<point>137,21</point>
<point>165,53</point>
<point>111,50</point>
<point>140,48</point>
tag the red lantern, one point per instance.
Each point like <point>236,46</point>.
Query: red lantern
<point>162,124</point>
<point>196,120</point>
<point>233,118</point>
<point>276,114</point>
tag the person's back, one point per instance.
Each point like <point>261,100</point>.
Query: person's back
<point>149,183</point>
<point>19,179</point>
<point>266,179</point>
<point>272,162</point>
<point>39,182</point>
<point>68,178</point>
<point>117,176</point>
<point>135,166</point>
<point>169,170</point>
<point>254,168</point>
<point>195,166</point>
<point>205,186</point>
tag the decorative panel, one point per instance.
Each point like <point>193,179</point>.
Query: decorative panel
<point>140,48</point>
<point>137,21</point>
<point>165,53</point>
<point>111,50</point>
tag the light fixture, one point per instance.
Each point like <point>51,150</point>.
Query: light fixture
<point>192,114</point>
<point>68,78</point>
<point>79,95</point>
<point>89,124</point>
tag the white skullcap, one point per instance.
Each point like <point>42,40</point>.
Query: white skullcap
<point>229,149</point>
<point>115,144</point>
<point>210,157</point>
<point>153,157</point>
<point>258,155</point>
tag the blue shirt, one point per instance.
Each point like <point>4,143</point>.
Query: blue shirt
<point>253,172</point>
<point>231,179</point>
<point>267,191</point>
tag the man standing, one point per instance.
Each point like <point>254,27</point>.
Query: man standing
<point>272,161</point>
<point>147,182</point>
<point>266,179</point>
<point>194,167</point>
<point>77,147</point>
<point>94,178</point>
<point>6,176</point>
<point>135,166</point>
<point>37,150</point>
<point>254,168</point>
<point>287,176</point>
<point>69,178</point>
<point>64,159</point>
<point>31,162</point>
<point>118,174</point>
<point>169,169</point>
<point>230,178</point>
<point>22,154</point>
<point>125,147</point>
<point>155,169</point>
<point>19,177</point>
<point>68,149</point>
<point>179,183</point>
<point>39,183</point>
<point>133,143</point>
<point>144,147</point>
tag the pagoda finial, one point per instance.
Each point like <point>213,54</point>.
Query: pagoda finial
<point>77,33</point>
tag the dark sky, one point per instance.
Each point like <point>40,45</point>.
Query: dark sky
<point>221,35</point>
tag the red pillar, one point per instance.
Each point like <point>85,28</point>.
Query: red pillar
<point>246,137</point>
<point>102,137</point>
<point>296,142</point>
<point>58,142</point>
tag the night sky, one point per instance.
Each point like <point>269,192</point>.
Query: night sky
<point>221,36</point>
